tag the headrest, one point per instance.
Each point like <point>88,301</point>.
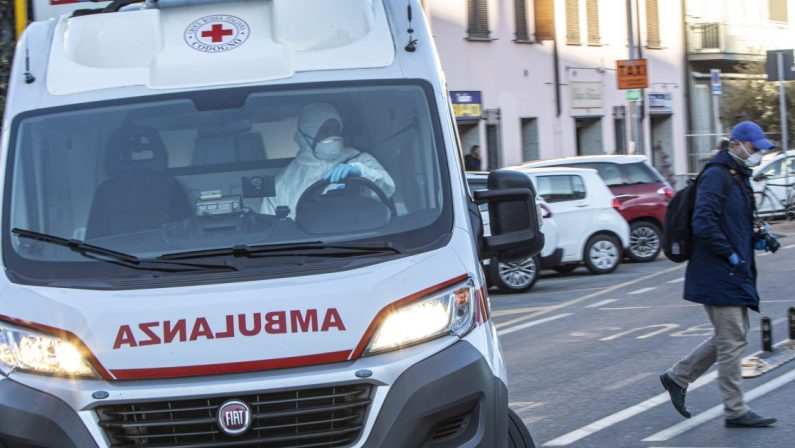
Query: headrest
<point>135,149</point>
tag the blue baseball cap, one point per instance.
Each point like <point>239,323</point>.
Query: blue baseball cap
<point>748,131</point>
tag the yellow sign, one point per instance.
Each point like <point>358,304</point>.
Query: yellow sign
<point>632,74</point>
<point>21,10</point>
<point>467,110</point>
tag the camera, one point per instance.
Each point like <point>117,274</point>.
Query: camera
<point>762,233</point>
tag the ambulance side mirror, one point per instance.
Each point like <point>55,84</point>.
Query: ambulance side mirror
<point>513,215</point>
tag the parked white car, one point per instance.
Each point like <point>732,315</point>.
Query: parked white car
<point>592,231</point>
<point>770,183</point>
<point>521,275</point>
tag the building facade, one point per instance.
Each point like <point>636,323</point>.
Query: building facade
<point>536,79</point>
<point>723,38</point>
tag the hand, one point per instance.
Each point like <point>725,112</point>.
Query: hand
<point>342,171</point>
<point>734,260</point>
<point>761,244</point>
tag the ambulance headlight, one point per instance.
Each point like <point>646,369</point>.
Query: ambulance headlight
<point>39,353</point>
<point>449,312</point>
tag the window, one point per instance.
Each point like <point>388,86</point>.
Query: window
<point>592,9</point>
<point>544,19</point>
<point>573,22</point>
<point>778,10</point>
<point>202,170</point>
<point>520,16</point>
<point>561,188</point>
<point>609,172</point>
<point>776,169</point>
<point>640,173</point>
<point>478,19</point>
<point>652,24</point>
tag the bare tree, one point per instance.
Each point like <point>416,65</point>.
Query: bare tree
<point>756,99</point>
<point>7,42</point>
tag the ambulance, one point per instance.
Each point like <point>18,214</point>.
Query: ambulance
<point>149,298</point>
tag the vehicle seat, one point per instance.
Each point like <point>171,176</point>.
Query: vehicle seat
<point>215,149</point>
<point>138,194</point>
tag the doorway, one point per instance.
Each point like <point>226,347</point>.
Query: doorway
<point>589,136</point>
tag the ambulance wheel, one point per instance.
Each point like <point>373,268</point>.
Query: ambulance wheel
<point>514,277</point>
<point>518,435</point>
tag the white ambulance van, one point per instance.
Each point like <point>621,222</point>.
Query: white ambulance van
<point>245,224</point>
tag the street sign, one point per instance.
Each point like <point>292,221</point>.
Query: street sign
<point>633,95</point>
<point>714,82</point>
<point>632,74</point>
<point>771,65</point>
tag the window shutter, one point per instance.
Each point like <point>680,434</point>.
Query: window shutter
<point>592,9</point>
<point>573,22</point>
<point>652,24</point>
<point>520,16</point>
<point>778,10</point>
<point>478,19</point>
<point>544,19</point>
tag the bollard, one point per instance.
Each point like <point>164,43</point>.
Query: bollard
<point>792,324</point>
<point>767,335</point>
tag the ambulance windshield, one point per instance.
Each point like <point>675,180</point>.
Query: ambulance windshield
<point>201,171</point>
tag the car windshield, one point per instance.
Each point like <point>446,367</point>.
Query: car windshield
<point>327,164</point>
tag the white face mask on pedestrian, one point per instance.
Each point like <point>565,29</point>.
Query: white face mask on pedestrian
<point>751,159</point>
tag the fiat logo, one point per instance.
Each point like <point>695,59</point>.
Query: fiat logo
<point>234,417</point>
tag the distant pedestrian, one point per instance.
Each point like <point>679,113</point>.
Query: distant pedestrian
<point>472,160</point>
<point>721,273</point>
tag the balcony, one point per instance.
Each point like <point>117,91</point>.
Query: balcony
<point>712,41</point>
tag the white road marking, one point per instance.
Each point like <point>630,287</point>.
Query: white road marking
<point>589,296</point>
<point>508,312</point>
<point>764,254</point>
<point>685,305</point>
<point>603,302</point>
<point>533,323</point>
<point>610,420</point>
<point>524,406</point>
<point>790,246</point>
<point>716,411</point>
<point>676,280</point>
<point>641,291</point>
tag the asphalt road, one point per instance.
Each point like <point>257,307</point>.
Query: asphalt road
<point>584,353</point>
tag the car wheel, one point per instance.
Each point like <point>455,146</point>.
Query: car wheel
<point>518,435</point>
<point>565,268</point>
<point>515,277</point>
<point>602,254</point>
<point>645,241</point>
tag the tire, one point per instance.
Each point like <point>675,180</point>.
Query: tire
<point>602,254</point>
<point>645,241</point>
<point>565,268</point>
<point>518,435</point>
<point>515,277</point>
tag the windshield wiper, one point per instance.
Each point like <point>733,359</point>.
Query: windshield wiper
<point>120,258</point>
<point>307,248</point>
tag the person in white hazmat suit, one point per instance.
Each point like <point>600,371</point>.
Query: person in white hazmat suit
<point>322,155</point>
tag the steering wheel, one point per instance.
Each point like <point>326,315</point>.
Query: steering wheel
<point>316,192</point>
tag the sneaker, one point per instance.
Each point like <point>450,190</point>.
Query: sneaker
<point>677,394</point>
<point>750,420</point>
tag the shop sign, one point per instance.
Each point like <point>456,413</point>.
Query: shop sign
<point>467,105</point>
<point>661,103</point>
<point>586,95</point>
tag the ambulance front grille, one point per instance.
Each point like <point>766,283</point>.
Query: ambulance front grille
<point>301,418</point>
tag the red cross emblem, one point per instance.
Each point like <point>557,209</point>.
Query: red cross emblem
<point>217,33</point>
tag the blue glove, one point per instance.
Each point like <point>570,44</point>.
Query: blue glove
<point>342,171</point>
<point>761,245</point>
<point>734,259</point>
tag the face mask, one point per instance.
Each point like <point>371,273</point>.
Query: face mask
<point>328,149</point>
<point>751,160</point>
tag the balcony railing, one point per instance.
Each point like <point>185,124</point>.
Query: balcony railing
<point>738,39</point>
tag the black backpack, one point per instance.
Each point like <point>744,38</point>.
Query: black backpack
<point>678,231</point>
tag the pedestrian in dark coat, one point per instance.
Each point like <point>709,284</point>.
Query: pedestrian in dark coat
<point>721,273</point>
